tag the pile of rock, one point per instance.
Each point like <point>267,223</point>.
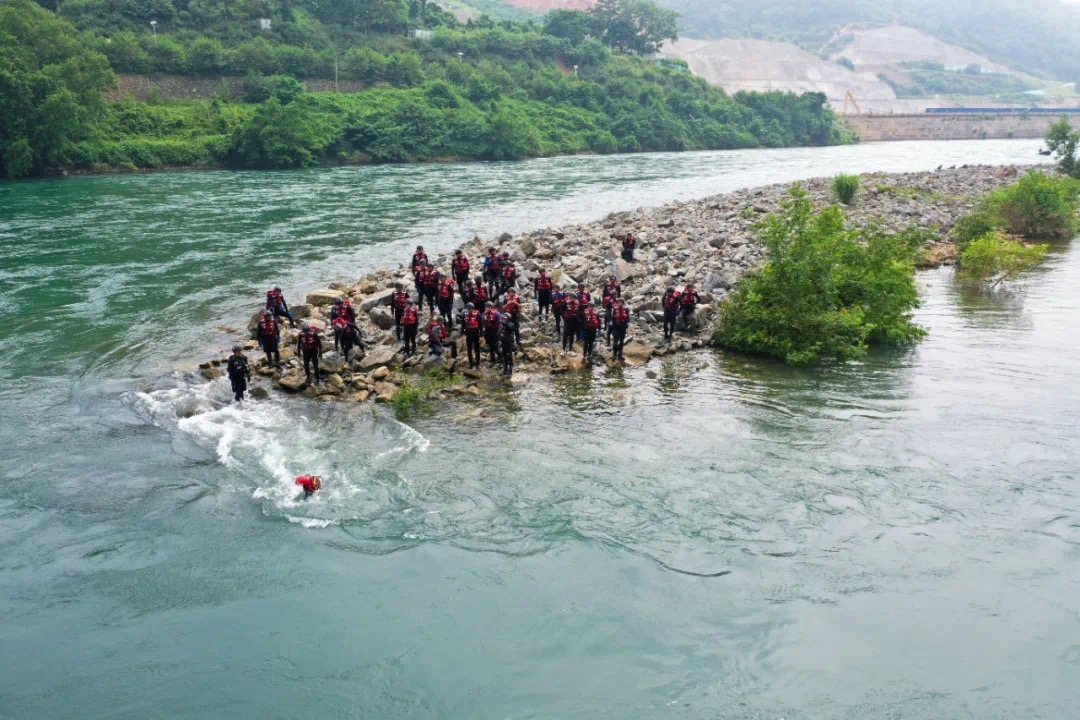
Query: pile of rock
<point>709,242</point>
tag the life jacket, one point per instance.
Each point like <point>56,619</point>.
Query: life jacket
<point>431,279</point>
<point>496,264</point>
<point>480,297</point>
<point>491,319</point>
<point>446,289</point>
<point>620,315</point>
<point>558,300</point>
<point>629,242</point>
<point>671,301</point>
<point>509,273</point>
<point>512,306</point>
<point>409,317</point>
<point>584,297</point>
<point>461,265</point>
<point>490,261</point>
<point>571,311</point>
<point>433,323</point>
<point>688,299</point>
<point>472,322</point>
<point>339,323</point>
<point>310,483</point>
<point>418,259</point>
<point>543,283</point>
<point>309,340</point>
<point>398,299</point>
<point>592,320</point>
<point>612,289</point>
<point>348,311</point>
<point>420,274</point>
<point>274,299</point>
<point>609,301</point>
<point>268,327</point>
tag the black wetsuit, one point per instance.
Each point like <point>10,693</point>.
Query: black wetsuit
<point>507,347</point>
<point>239,375</point>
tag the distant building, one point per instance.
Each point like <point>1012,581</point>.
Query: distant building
<point>264,23</point>
<point>423,34</point>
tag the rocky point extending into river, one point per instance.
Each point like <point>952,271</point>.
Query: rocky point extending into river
<point>709,242</point>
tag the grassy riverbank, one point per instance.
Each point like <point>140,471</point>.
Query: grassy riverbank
<point>477,91</point>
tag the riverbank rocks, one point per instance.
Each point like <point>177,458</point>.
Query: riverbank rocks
<point>711,242</point>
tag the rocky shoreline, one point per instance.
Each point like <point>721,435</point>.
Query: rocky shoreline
<point>709,242</point>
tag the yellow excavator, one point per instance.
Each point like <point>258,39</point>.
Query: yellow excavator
<point>849,98</point>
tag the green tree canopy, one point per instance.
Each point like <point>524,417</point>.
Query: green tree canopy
<point>50,87</point>
<point>638,27</point>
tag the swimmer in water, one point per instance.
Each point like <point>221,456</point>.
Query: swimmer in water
<point>310,483</point>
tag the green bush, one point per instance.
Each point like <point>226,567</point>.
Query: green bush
<point>415,397</point>
<point>971,227</point>
<point>283,136</point>
<point>845,187</point>
<point>1062,140</point>
<point>1037,207</point>
<point>996,258</point>
<point>826,291</point>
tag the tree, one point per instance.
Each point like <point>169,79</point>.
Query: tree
<point>283,136</point>
<point>638,27</point>
<point>995,258</point>
<point>572,25</point>
<point>50,87</point>
<point>1063,140</point>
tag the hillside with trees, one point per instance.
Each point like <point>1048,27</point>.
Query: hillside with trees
<point>479,90</point>
<point>1040,37</point>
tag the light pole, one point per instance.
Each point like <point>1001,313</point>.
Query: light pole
<point>461,57</point>
<point>575,71</point>
<point>153,26</point>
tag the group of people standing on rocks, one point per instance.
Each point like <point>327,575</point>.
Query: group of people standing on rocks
<point>489,317</point>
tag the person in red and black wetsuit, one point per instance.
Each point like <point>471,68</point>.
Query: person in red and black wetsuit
<point>558,307</point>
<point>445,295</point>
<point>310,483</point>
<point>688,301</point>
<point>275,303</point>
<point>460,268</point>
<point>343,308</point>
<point>471,323</point>
<point>492,271</point>
<point>591,321</point>
<point>476,294</point>
<point>431,286</point>
<point>398,301</point>
<point>309,347</point>
<point>512,307</point>
<point>269,337</point>
<point>570,322</point>
<point>620,323</point>
<point>509,274</point>
<point>419,259</point>
<point>584,297</point>
<point>492,319</point>
<point>439,338</point>
<point>671,304</point>
<point>542,286</point>
<point>629,244</point>
<point>611,292</point>
<point>410,323</point>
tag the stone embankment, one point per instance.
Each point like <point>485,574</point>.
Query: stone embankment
<point>709,242</point>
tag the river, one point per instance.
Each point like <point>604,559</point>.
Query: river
<point>900,536</point>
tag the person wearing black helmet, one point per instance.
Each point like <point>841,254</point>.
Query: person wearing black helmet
<point>507,344</point>
<point>398,301</point>
<point>239,373</point>
<point>309,347</point>
<point>275,303</point>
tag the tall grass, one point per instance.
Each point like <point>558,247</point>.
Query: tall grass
<point>845,188</point>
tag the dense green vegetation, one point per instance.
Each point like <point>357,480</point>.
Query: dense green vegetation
<point>1040,36</point>
<point>1036,207</point>
<point>1063,141</point>
<point>484,90</point>
<point>925,79</point>
<point>845,188</point>
<point>416,397</point>
<point>826,291</point>
<point>995,258</point>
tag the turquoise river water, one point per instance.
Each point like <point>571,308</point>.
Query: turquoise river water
<point>901,535</point>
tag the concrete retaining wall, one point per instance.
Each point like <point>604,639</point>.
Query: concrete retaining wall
<point>949,127</point>
<point>172,87</point>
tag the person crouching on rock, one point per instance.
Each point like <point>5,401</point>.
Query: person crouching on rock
<point>570,323</point>
<point>410,323</point>
<point>309,347</point>
<point>671,303</point>
<point>471,323</point>
<point>239,373</point>
<point>688,301</point>
<point>347,335</point>
<point>439,339</point>
<point>507,344</point>
<point>275,303</point>
<point>398,300</point>
<point>269,336</point>
<point>620,323</point>
<point>629,244</point>
<point>558,307</point>
<point>591,321</point>
<point>446,300</point>
<point>491,321</point>
<point>542,287</point>
<point>310,483</point>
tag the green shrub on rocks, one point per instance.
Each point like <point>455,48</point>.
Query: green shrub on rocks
<point>1063,141</point>
<point>827,291</point>
<point>415,397</point>
<point>845,187</point>
<point>995,258</point>
<point>1037,206</point>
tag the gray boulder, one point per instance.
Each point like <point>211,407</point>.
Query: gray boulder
<point>373,301</point>
<point>382,317</point>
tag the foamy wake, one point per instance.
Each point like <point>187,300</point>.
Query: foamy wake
<point>265,444</point>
